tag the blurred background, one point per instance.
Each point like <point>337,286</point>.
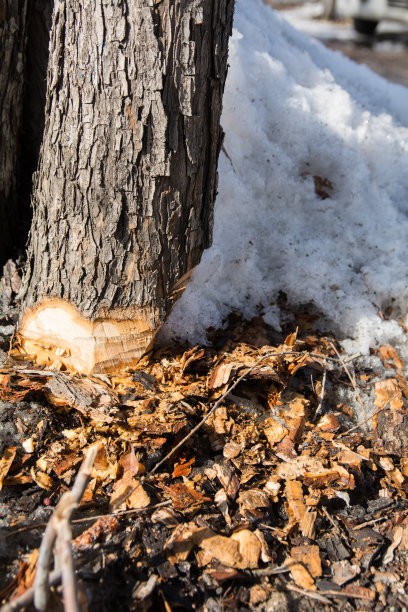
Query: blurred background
<point>371,32</point>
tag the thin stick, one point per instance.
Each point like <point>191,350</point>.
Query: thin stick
<point>57,527</point>
<point>87,519</point>
<point>351,379</point>
<point>310,594</point>
<point>320,406</point>
<point>55,576</point>
<point>27,597</point>
<point>372,522</point>
<point>67,567</point>
<point>372,416</point>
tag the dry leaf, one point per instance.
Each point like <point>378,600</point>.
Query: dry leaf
<point>253,499</point>
<point>181,542</point>
<point>396,541</point>
<point>297,467</point>
<point>232,450</point>
<point>128,492</point>
<point>225,550</point>
<point>27,575</point>
<point>241,550</point>
<point>129,462</point>
<point>228,478</point>
<point>221,501</point>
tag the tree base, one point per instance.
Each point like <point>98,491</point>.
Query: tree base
<point>56,334</point>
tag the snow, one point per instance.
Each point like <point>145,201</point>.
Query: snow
<point>294,109</point>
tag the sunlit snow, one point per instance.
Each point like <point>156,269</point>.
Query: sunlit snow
<point>294,109</point>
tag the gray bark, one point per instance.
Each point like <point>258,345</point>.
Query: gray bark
<point>13,14</point>
<point>124,193</point>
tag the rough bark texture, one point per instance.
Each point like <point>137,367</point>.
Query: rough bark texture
<point>390,432</point>
<point>13,14</point>
<point>124,194</point>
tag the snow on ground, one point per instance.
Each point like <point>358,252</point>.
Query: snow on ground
<point>294,109</point>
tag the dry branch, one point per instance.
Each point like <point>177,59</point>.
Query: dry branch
<point>58,529</point>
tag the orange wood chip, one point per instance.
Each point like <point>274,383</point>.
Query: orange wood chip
<point>309,556</point>
<point>6,462</point>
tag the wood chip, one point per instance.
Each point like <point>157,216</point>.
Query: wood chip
<point>309,556</point>
<point>6,462</point>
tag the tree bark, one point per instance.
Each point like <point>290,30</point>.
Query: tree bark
<point>13,16</point>
<point>123,197</point>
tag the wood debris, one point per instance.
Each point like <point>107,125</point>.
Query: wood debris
<point>199,493</point>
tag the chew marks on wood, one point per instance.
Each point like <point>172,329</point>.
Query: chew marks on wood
<point>58,332</point>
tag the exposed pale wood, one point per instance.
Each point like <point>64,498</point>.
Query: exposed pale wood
<point>56,333</point>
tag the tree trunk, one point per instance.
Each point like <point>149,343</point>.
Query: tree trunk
<point>124,194</point>
<point>13,14</point>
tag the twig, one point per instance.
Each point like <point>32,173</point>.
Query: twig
<point>320,406</point>
<point>55,576</point>
<point>269,571</point>
<point>372,416</point>
<point>372,522</point>
<point>311,594</point>
<point>337,527</point>
<point>27,597</point>
<point>59,529</point>
<point>67,567</point>
<point>86,519</point>
<point>351,379</point>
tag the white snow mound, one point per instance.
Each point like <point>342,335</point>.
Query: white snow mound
<point>294,109</point>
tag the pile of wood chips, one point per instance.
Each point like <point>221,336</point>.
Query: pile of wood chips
<point>274,498</point>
